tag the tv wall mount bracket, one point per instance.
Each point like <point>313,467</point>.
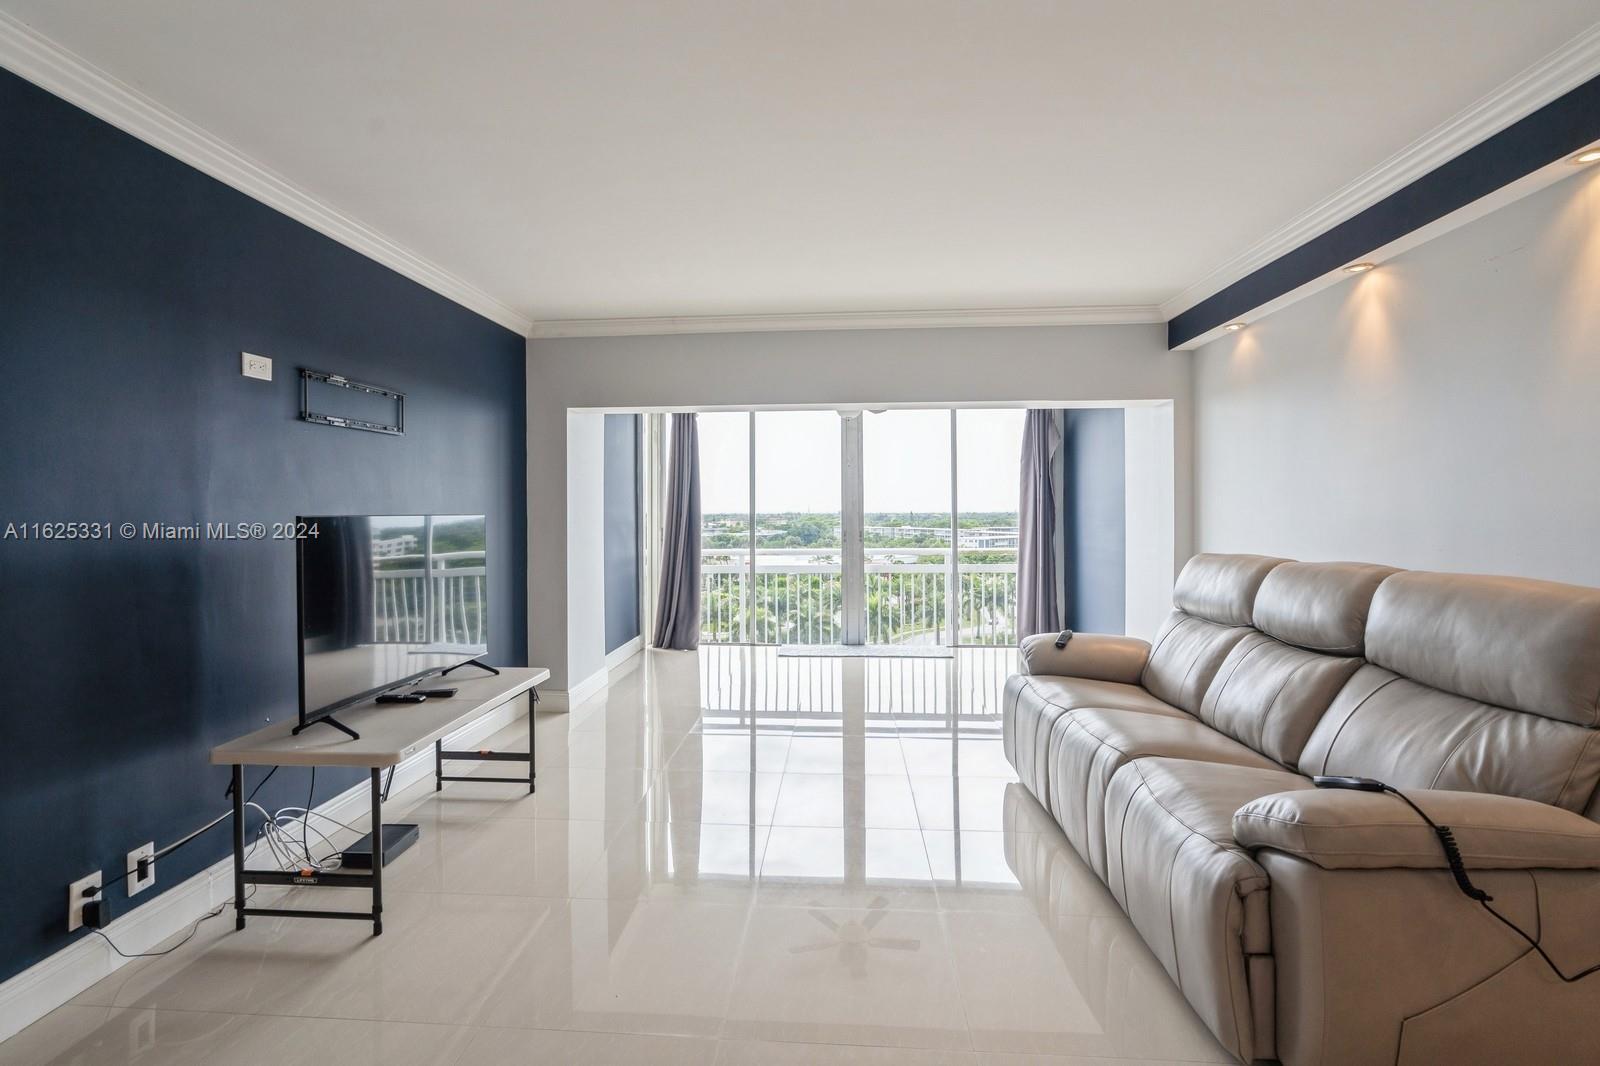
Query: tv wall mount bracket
<point>339,381</point>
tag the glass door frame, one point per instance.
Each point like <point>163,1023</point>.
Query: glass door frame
<point>852,521</point>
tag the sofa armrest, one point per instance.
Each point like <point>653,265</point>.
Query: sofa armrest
<point>1096,656</point>
<point>1341,829</point>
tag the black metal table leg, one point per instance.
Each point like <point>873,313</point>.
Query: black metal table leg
<point>377,852</point>
<point>238,846</point>
<point>533,706</point>
<point>441,753</point>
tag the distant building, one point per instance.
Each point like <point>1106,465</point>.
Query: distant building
<point>390,547</point>
<point>988,538</point>
<point>991,538</point>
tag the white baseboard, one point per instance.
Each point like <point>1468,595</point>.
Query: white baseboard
<point>624,652</point>
<point>590,685</point>
<point>567,699</point>
<point>47,984</point>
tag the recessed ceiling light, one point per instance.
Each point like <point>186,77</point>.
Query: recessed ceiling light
<point>1234,327</point>
<point>1359,268</point>
<point>1589,155</point>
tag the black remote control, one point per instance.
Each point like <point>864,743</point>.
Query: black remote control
<point>402,697</point>
<point>1360,784</point>
<point>436,693</point>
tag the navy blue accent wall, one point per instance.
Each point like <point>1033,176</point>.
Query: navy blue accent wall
<point>1560,128</point>
<point>1095,514</point>
<point>129,284</point>
<point>622,530</point>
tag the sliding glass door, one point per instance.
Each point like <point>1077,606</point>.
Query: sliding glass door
<point>889,528</point>
<point>989,477</point>
<point>798,573</point>
<point>907,528</point>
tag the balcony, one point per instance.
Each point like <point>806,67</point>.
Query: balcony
<point>406,611</point>
<point>799,596</point>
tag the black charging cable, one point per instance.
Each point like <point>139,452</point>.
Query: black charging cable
<point>96,909</point>
<point>97,894</point>
<point>1458,866</point>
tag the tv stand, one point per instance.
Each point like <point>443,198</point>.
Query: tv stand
<point>471,662</point>
<point>392,735</point>
<point>326,719</point>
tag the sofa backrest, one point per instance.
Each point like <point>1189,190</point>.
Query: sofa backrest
<point>1278,681</point>
<point>1213,600</point>
<point>1478,684</point>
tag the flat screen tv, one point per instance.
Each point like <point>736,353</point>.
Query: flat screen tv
<point>386,600</point>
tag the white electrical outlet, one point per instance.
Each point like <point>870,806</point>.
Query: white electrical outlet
<point>255,366</point>
<point>137,884</point>
<point>76,899</point>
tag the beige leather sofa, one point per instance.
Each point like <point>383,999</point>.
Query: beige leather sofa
<point>1316,926</point>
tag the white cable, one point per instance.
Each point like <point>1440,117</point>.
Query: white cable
<point>269,835</point>
<point>324,817</point>
<point>306,827</point>
<point>286,825</point>
<point>336,854</point>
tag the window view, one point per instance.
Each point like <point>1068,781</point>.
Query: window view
<point>799,587</point>
<point>906,525</point>
<point>773,567</point>
<point>724,525</point>
<point>988,476</point>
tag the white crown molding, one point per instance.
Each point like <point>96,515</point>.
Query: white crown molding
<point>1020,316</point>
<point>1561,71</point>
<point>31,55</point>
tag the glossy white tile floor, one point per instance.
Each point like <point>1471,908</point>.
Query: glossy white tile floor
<point>732,859</point>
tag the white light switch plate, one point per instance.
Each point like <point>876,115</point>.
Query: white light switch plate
<point>137,884</point>
<point>255,366</point>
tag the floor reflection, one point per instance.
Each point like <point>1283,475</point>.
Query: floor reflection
<point>831,751</point>
<point>729,853</point>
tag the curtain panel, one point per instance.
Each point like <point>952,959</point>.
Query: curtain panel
<point>678,599</point>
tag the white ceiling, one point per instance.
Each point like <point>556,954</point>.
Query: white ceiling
<point>595,159</point>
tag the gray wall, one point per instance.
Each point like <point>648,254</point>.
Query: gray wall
<point>1441,412</point>
<point>622,530</point>
<point>1045,365</point>
<point>1094,512</point>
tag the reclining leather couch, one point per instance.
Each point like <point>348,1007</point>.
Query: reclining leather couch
<point>1317,926</point>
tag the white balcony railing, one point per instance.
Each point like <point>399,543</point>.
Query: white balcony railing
<point>404,612</point>
<point>798,596</point>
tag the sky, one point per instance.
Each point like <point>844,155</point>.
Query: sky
<point>906,455</point>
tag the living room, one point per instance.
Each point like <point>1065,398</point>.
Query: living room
<point>885,533</point>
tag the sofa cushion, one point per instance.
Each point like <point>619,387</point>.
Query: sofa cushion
<point>1212,601</point>
<point>1221,588</point>
<point>1388,727</point>
<point>1345,829</point>
<point>1088,747</point>
<point>1270,696</point>
<point>1032,705</point>
<point>1198,899</point>
<point>1075,693</point>
<point>1185,656</point>
<point>1531,646</point>
<point>1320,606</point>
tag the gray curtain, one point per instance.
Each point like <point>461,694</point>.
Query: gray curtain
<point>1036,520</point>
<point>678,601</point>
